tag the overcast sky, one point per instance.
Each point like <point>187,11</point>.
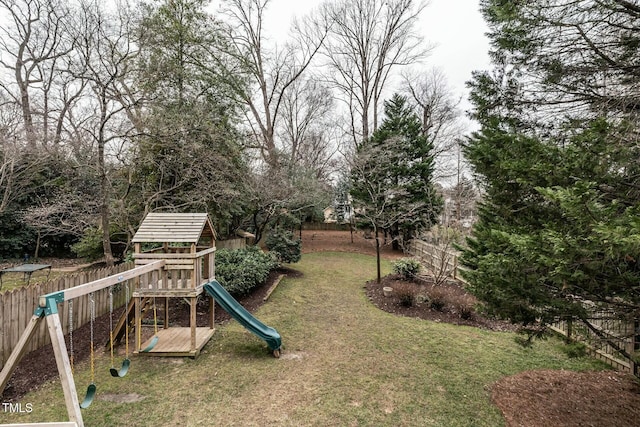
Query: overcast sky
<point>455,27</point>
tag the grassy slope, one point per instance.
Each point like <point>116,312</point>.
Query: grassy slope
<point>345,363</point>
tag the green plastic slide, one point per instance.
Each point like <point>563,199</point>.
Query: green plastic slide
<point>246,319</point>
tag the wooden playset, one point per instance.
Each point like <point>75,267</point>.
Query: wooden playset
<point>174,258</point>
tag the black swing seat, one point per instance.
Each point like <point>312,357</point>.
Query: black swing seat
<point>88,399</point>
<point>119,373</point>
<point>152,344</point>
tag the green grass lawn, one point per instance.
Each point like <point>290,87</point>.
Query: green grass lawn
<point>345,363</point>
<point>16,280</point>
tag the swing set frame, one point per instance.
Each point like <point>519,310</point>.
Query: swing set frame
<point>163,272</point>
<point>48,310</point>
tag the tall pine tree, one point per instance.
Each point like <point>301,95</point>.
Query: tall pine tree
<point>557,158</point>
<point>393,175</point>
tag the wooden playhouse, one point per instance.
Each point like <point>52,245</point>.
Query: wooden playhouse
<point>187,244</point>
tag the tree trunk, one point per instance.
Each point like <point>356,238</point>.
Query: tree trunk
<point>36,253</point>
<point>351,229</point>
<point>104,184</point>
<point>395,235</point>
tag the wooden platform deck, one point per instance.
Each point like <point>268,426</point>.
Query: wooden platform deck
<point>177,342</point>
<point>182,290</point>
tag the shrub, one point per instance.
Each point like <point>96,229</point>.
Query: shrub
<point>465,306</point>
<point>286,248</point>
<point>241,270</point>
<point>90,246</point>
<point>438,298</point>
<point>406,293</point>
<point>408,268</point>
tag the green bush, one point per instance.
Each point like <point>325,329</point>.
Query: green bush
<point>90,246</point>
<point>285,247</point>
<point>575,349</point>
<point>241,270</point>
<point>408,268</point>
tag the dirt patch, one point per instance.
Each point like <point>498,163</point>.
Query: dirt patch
<point>345,241</point>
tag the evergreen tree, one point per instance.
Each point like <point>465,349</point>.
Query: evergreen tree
<point>558,225</point>
<point>392,177</point>
<point>189,156</point>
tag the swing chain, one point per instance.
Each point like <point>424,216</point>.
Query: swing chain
<point>111,323</point>
<point>92,308</point>
<point>126,322</point>
<point>71,334</point>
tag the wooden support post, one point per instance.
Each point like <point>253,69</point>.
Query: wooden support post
<point>18,352</point>
<point>165,279</point>
<point>194,303</point>
<point>195,276</point>
<point>137,323</point>
<point>455,267</point>
<point>123,322</point>
<point>212,266</point>
<point>64,369</point>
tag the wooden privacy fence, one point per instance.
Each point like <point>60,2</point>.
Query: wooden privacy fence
<point>441,260</point>
<point>231,244</point>
<point>325,226</point>
<point>605,335</point>
<point>605,331</point>
<point>17,307</point>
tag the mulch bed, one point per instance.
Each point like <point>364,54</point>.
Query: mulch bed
<point>455,302</point>
<point>549,398</point>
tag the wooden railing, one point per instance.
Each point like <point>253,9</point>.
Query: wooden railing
<point>183,271</point>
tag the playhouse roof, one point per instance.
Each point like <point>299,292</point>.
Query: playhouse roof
<point>174,227</point>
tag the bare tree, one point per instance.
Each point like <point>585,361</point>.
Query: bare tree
<point>271,72</point>
<point>307,130</point>
<point>16,171</point>
<point>367,40</point>
<point>34,42</point>
<point>104,53</point>
<point>438,109</point>
<point>62,213</point>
